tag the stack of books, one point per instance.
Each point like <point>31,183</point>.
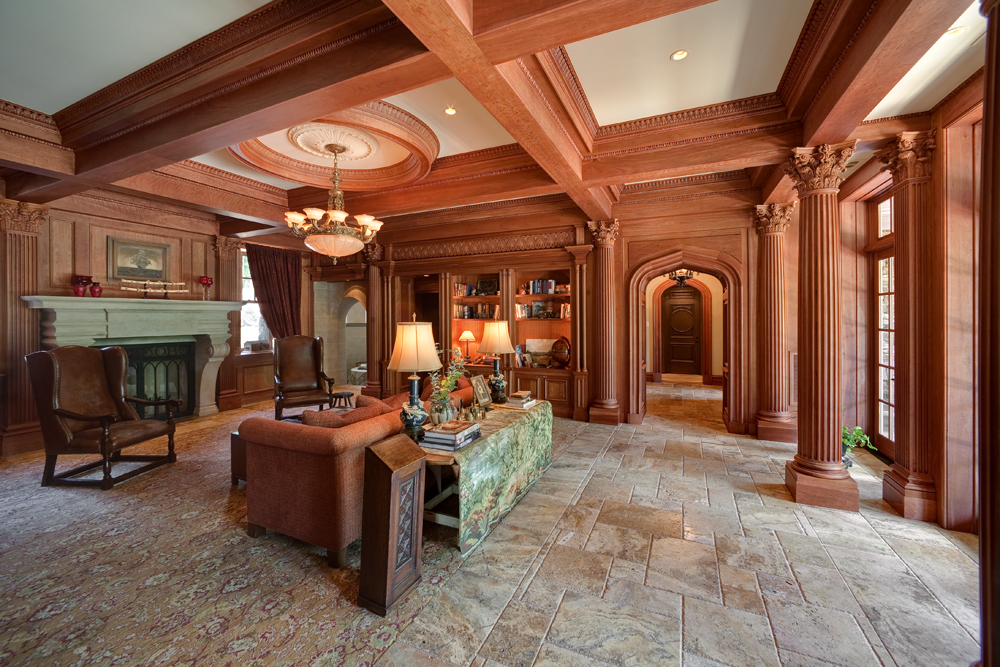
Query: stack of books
<point>520,400</point>
<point>451,435</point>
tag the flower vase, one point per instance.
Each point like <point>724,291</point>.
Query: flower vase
<point>80,290</point>
<point>96,289</point>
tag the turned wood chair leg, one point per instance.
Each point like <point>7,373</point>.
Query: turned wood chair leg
<point>49,472</point>
<point>106,481</point>
<point>277,411</point>
<point>171,454</point>
<point>253,530</point>
<point>336,558</point>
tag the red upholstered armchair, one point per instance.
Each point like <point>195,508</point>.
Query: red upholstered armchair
<point>298,374</point>
<point>80,395</point>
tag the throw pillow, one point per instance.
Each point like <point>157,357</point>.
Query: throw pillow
<point>362,401</point>
<point>325,419</point>
<point>360,414</point>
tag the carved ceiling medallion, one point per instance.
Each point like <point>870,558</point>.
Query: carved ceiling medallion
<point>400,145</point>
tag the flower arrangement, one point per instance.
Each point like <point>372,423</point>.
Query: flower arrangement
<point>442,386</point>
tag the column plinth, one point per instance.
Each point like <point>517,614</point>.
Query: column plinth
<point>604,408</point>
<point>373,331</point>
<point>817,476</point>
<point>774,421</point>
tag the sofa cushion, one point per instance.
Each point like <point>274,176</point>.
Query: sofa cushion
<point>326,419</point>
<point>361,414</point>
<point>425,395</point>
<point>363,401</point>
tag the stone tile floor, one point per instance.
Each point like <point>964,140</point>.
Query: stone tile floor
<point>675,542</point>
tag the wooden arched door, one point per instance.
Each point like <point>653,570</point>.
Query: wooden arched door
<point>681,315</point>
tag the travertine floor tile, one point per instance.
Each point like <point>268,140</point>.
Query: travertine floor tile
<point>578,518</point>
<point>750,553</point>
<point>820,633</point>
<point>684,567</point>
<point>919,637</point>
<point>740,589</point>
<point>647,598</point>
<point>575,569</point>
<point>517,635</point>
<point>620,543</point>
<point>553,656</point>
<point>701,519</point>
<point>722,633</point>
<point>821,586</point>
<point>660,523</point>
<point>401,654</point>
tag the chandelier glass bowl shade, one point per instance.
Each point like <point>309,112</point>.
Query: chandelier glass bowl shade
<point>681,276</point>
<point>327,231</point>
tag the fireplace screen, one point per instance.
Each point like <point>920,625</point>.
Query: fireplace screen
<point>160,371</point>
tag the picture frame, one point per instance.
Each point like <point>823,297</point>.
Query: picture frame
<point>488,287</point>
<point>138,260</point>
<point>482,390</point>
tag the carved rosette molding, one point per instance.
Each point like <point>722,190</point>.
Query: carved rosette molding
<point>373,252</point>
<point>773,218</point>
<point>227,247</point>
<point>909,156</point>
<point>16,216</point>
<point>604,231</point>
<point>818,168</point>
<point>485,246</point>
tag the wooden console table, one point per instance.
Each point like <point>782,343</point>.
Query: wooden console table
<point>515,448</point>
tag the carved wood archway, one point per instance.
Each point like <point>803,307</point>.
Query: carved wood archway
<point>706,329</point>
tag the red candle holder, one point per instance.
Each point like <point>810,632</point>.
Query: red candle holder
<point>206,283</point>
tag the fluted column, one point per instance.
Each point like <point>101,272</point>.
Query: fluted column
<point>20,228</point>
<point>774,421</point>
<point>989,349</point>
<point>373,330</point>
<point>908,485</point>
<point>817,476</point>
<point>604,409</point>
<point>229,287</point>
<point>578,362</point>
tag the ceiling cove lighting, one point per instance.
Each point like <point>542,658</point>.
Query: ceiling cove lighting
<point>679,55</point>
<point>327,232</point>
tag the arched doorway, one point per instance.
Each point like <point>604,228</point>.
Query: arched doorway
<point>705,329</point>
<point>729,271</point>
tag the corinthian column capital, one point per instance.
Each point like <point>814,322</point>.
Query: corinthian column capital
<point>818,168</point>
<point>227,247</point>
<point>16,216</point>
<point>909,156</point>
<point>773,218</point>
<point>604,231</point>
<point>374,252</point>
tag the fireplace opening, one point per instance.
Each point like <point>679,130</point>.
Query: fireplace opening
<point>160,371</point>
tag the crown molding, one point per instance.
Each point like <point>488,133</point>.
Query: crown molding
<point>126,205</point>
<point>265,188</point>
<point>818,24</point>
<point>693,140</point>
<point>733,110</point>
<point>889,119</point>
<point>560,202</point>
<point>484,245</point>
<point>548,106</point>
<point>564,79</point>
<point>27,116</point>
<point>691,195</point>
<point>475,157</point>
<point>962,86</point>
<point>686,181</point>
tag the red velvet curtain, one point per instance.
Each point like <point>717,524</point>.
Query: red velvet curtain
<point>277,282</point>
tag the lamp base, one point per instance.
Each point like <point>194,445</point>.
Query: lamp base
<point>498,384</point>
<point>413,415</point>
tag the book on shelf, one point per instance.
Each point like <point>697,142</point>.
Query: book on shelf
<point>564,312</point>
<point>479,311</point>
<point>542,286</point>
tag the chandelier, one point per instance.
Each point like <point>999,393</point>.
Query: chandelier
<point>327,232</point>
<point>681,276</point>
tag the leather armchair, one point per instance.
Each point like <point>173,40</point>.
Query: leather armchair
<point>80,396</point>
<point>298,374</point>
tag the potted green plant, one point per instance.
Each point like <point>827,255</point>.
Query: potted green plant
<point>851,438</point>
<point>441,386</point>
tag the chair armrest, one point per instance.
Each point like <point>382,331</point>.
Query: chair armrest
<point>171,403</point>
<point>86,418</point>
<point>329,382</point>
<point>279,388</point>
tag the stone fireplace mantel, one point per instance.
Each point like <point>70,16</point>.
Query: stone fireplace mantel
<point>70,320</point>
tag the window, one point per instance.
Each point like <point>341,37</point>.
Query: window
<point>885,403</point>
<point>252,325</point>
<point>885,218</point>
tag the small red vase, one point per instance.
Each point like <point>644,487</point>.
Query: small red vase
<point>96,289</point>
<point>80,290</point>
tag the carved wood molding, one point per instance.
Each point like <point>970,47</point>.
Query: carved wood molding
<point>909,156</point>
<point>686,181</point>
<point>486,206</point>
<point>27,116</point>
<point>693,140</point>
<point>28,137</point>
<point>559,58</point>
<point>485,245</point>
<point>265,188</point>
<point>962,86</point>
<point>121,203</point>
<point>484,155</point>
<point>247,80</point>
<point>889,119</point>
<point>818,168</point>
<point>266,24</point>
<point>16,216</point>
<point>499,172</point>
<point>227,247</point>
<point>773,218</point>
<point>604,231</point>
<point>736,109</point>
<point>817,25</point>
<point>373,252</point>
<point>548,106</point>
<point>693,195</point>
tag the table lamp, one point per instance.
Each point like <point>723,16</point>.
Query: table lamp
<point>496,341</point>
<point>414,351</point>
<point>467,336</point>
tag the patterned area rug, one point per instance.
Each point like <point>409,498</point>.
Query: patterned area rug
<point>160,571</point>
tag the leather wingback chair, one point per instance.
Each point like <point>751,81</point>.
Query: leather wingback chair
<point>298,374</point>
<point>80,395</point>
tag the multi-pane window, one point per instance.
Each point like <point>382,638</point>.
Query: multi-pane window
<point>252,325</point>
<point>886,399</point>
<point>885,218</point>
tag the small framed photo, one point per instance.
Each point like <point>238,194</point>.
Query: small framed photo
<point>488,287</point>
<point>481,389</point>
<point>138,260</point>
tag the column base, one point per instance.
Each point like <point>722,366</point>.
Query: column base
<point>373,390</point>
<point>838,494</point>
<point>912,495</point>
<point>603,415</point>
<point>777,431</point>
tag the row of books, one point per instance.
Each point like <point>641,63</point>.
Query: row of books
<point>451,435</point>
<point>520,400</point>
<point>541,286</point>
<point>464,289</point>
<point>479,311</point>
<point>541,310</point>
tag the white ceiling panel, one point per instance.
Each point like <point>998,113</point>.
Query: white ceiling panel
<point>737,49</point>
<point>472,128</point>
<point>223,159</point>
<point>946,65</point>
<point>56,52</point>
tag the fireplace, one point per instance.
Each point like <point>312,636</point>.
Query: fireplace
<point>161,371</point>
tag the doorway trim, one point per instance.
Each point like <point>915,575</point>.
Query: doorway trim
<point>706,329</point>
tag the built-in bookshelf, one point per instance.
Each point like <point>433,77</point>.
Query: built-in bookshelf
<point>542,312</point>
<point>475,298</point>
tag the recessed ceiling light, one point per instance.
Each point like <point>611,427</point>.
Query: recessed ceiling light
<point>450,111</point>
<point>954,32</point>
<point>679,55</point>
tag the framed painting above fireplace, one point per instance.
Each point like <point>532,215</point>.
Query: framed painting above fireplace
<point>137,260</point>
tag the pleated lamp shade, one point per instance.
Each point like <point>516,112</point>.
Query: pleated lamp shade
<point>414,349</point>
<point>496,338</point>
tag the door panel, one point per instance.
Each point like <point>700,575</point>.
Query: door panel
<point>681,308</point>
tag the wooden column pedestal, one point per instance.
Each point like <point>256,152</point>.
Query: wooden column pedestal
<point>817,476</point>
<point>604,408</point>
<point>373,387</point>
<point>774,421</point>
